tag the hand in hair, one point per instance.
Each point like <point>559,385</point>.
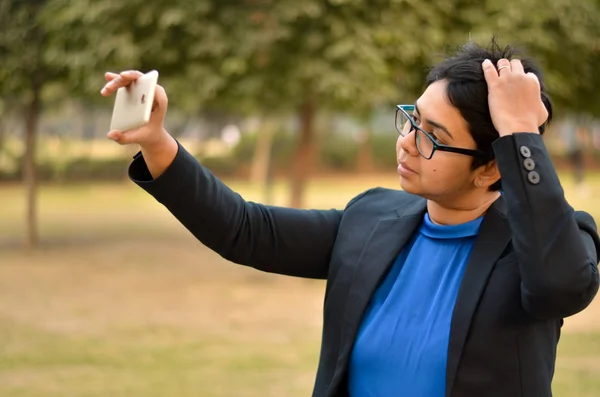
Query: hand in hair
<point>514,97</point>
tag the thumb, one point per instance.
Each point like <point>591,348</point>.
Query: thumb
<point>121,137</point>
<point>489,71</point>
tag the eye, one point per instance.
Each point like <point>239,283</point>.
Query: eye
<point>434,136</point>
<point>415,118</point>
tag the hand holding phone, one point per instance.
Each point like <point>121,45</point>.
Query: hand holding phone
<point>133,103</point>
<point>157,146</point>
<point>139,109</point>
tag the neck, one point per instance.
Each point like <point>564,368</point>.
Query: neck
<point>444,213</point>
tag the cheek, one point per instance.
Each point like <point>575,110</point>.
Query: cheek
<point>436,173</point>
<point>445,171</point>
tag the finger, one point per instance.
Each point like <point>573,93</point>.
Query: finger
<point>516,66</point>
<point>503,66</point>
<point>121,137</point>
<point>114,135</point>
<point>109,76</point>
<point>131,75</point>
<point>113,85</point>
<point>534,77</point>
<point>489,72</point>
<point>122,79</point>
<point>160,98</point>
<point>543,113</point>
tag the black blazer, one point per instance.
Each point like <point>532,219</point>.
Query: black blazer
<point>534,262</point>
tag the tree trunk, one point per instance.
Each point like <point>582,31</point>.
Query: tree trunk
<point>29,173</point>
<point>305,152</point>
<point>364,162</point>
<point>261,163</point>
<point>2,133</point>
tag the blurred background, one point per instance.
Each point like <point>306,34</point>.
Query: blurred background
<point>290,102</point>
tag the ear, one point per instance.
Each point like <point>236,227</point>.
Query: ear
<point>486,175</point>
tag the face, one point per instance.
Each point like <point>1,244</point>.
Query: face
<point>446,175</point>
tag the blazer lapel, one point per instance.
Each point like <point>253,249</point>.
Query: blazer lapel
<point>384,244</point>
<point>494,235</point>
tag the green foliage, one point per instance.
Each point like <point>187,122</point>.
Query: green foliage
<point>563,36</point>
<point>73,170</point>
<point>242,56</point>
<point>181,39</point>
<point>384,151</point>
<point>266,57</point>
<point>24,44</point>
<point>316,49</point>
<point>221,166</point>
<point>269,56</point>
<point>281,150</point>
<point>338,152</point>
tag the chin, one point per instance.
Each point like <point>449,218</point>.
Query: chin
<point>408,186</point>
<point>413,187</point>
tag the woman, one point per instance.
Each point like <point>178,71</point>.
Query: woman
<point>455,286</point>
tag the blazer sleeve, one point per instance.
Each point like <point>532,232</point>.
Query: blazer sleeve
<point>274,239</point>
<point>557,248</point>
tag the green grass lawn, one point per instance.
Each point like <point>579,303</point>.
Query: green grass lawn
<point>120,300</point>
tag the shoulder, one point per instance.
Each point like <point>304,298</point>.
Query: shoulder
<point>381,200</point>
<point>585,219</point>
<point>586,223</point>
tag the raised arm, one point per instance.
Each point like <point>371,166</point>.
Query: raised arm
<point>557,248</point>
<point>274,239</point>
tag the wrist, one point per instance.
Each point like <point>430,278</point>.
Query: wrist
<point>509,130</point>
<point>162,141</point>
<point>160,153</point>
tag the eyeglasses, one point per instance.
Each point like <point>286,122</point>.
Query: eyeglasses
<point>426,144</point>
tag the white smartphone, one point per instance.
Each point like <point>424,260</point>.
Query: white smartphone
<point>133,104</point>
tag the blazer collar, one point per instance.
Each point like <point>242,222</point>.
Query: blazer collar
<point>493,238</point>
<point>385,242</point>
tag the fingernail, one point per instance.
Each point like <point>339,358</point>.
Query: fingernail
<point>487,62</point>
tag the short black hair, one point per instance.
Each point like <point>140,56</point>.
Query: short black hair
<point>467,90</point>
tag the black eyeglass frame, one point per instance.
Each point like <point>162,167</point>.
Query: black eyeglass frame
<point>405,109</point>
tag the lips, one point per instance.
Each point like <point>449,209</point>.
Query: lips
<point>405,169</point>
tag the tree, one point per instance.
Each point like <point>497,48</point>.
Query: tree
<point>302,57</point>
<point>562,35</point>
<point>314,55</point>
<point>259,56</point>
<point>24,73</point>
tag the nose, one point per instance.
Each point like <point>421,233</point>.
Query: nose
<point>406,144</point>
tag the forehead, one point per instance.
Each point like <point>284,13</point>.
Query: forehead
<point>433,104</point>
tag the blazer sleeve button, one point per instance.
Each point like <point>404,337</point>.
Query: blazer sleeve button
<point>529,164</point>
<point>533,177</point>
<point>525,151</point>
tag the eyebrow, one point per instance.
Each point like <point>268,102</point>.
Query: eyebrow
<point>435,124</point>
